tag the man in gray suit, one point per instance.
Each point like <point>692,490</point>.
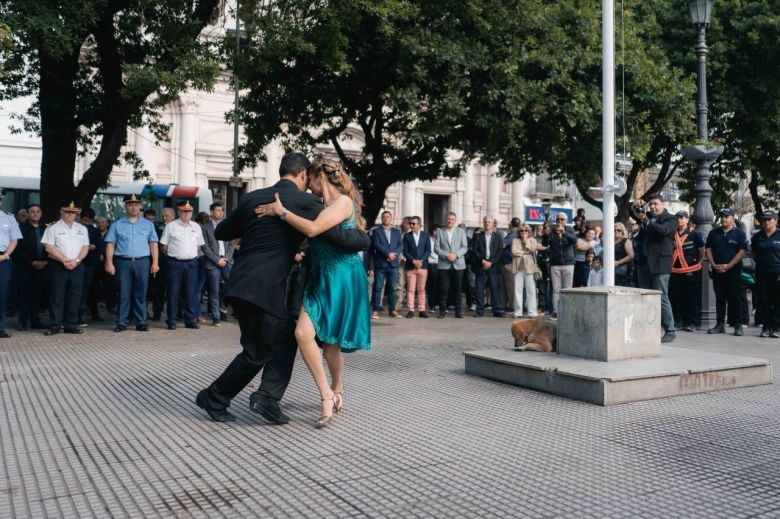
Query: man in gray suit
<point>219,260</point>
<point>451,245</point>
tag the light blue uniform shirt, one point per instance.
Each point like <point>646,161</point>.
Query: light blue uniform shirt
<point>9,230</point>
<point>131,240</point>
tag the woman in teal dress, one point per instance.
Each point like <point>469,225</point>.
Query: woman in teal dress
<point>335,301</point>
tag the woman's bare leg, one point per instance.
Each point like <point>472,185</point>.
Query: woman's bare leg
<point>336,367</point>
<point>304,334</point>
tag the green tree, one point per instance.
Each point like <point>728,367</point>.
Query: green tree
<point>383,82</point>
<point>556,129</point>
<point>97,68</point>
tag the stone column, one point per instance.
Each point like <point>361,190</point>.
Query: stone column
<point>144,148</point>
<point>188,126</point>
<point>517,200</point>
<point>408,200</point>
<point>273,153</point>
<point>493,192</point>
<point>468,194</point>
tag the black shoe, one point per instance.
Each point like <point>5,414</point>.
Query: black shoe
<point>718,328</point>
<point>73,329</point>
<point>218,415</point>
<point>120,328</point>
<point>193,326</point>
<point>172,326</point>
<point>268,409</point>
<point>500,314</point>
<point>458,315</point>
<point>424,315</point>
<point>765,332</point>
<point>4,334</point>
<point>772,333</point>
<point>156,317</point>
<point>82,324</point>
<point>738,331</point>
<point>555,315</point>
<point>441,315</point>
<point>37,326</point>
<point>478,314</point>
<point>51,331</point>
<point>142,328</point>
<point>688,328</point>
<point>668,337</point>
<point>21,326</point>
<point>409,315</point>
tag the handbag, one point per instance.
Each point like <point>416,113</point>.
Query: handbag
<point>538,274</point>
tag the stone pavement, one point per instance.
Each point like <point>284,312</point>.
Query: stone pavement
<point>104,425</point>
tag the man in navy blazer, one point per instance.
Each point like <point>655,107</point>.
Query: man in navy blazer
<point>386,248</point>
<point>487,247</point>
<point>417,249</point>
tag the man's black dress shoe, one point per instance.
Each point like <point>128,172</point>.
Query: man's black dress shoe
<point>52,331</point>
<point>218,415</point>
<point>21,326</point>
<point>172,326</point>
<point>409,315</point>
<point>4,334</point>
<point>142,328</point>
<point>120,328</point>
<point>441,315</point>
<point>268,409</point>
<point>156,317</point>
<point>458,315</point>
<point>774,334</point>
<point>738,331</point>
<point>500,314</point>
<point>424,315</point>
<point>478,314</point>
<point>718,328</point>
<point>668,337</point>
<point>193,326</point>
<point>73,329</point>
<point>765,332</point>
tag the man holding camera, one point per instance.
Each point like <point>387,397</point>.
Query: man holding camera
<point>725,249</point>
<point>656,243</point>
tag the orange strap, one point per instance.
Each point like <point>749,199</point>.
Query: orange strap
<point>679,258</point>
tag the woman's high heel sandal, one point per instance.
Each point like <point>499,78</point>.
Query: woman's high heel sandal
<point>338,402</point>
<point>323,420</point>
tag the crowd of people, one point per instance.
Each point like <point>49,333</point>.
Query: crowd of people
<point>82,268</point>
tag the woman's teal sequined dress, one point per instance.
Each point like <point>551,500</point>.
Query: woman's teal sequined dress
<point>336,296</point>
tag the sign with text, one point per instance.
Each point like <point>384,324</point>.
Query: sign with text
<point>535,214</point>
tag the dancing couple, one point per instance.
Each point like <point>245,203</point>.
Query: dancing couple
<point>272,223</point>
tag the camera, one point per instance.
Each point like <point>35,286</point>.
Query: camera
<point>639,206</point>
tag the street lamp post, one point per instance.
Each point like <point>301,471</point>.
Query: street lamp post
<point>702,155</point>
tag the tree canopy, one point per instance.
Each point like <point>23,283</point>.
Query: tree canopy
<point>96,68</point>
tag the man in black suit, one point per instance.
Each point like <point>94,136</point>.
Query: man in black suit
<point>656,243</point>
<point>486,250</point>
<point>258,278</point>
<point>31,259</point>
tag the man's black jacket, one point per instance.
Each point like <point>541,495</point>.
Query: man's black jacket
<point>268,245</point>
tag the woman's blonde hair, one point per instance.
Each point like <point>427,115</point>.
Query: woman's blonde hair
<point>339,178</point>
<point>622,228</point>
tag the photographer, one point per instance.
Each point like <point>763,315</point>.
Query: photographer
<point>561,250</point>
<point>656,244</point>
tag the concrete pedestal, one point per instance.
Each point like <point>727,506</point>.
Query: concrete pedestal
<point>609,352</point>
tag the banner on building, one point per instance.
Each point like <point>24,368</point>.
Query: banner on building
<point>535,214</point>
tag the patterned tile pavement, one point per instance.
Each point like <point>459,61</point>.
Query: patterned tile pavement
<point>104,425</point>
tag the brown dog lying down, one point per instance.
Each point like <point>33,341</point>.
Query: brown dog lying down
<point>534,334</point>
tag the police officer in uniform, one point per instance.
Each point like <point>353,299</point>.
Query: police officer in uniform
<point>725,248</point>
<point>9,237</point>
<point>766,252</point>
<point>131,254</point>
<point>181,241</point>
<point>685,281</point>
<point>67,244</point>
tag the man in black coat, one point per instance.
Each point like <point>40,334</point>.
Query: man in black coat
<point>257,290</point>
<point>31,259</point>
<point>656,243</point>
<point>487,248</point>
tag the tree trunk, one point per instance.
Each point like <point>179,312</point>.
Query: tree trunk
<point>57,100</point>
<point>100,170</point>
<point>755,181</point>
<point>374,194</point>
